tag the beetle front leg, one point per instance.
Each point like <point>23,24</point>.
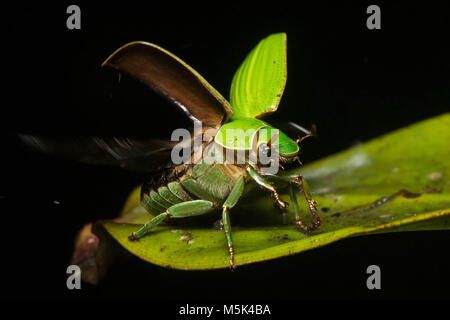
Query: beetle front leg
<point>317,220</point>
<point>265,184</point>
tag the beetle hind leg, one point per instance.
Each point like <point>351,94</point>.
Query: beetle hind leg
<point>149,225</point>
<point>179,210</point>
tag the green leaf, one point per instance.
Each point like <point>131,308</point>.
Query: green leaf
<point>259,82</point>
<point>398,182</point>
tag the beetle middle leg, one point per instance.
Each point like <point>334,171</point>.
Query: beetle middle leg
<point>299,181</point>
<point>229,203</point>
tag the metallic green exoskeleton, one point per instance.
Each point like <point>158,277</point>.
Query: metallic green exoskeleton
<point>192,189</point>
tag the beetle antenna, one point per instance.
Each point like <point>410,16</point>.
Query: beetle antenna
<point>311,133</point>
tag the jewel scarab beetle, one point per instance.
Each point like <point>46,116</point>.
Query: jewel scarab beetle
<point>211,182</point>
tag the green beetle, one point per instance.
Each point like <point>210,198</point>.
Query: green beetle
<point>208,181</point>
<point>198,188</point>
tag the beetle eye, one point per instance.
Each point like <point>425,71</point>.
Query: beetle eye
<point>265,150</point>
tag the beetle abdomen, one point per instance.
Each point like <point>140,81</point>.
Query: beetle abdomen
<point>163,191</point>
<point>159,200</point>
<point>203,181</point>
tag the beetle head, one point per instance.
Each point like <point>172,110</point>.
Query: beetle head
<point>272,142</point>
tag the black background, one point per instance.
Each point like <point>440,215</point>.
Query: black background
<point>354,83</point>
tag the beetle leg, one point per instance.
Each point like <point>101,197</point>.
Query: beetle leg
<point>149,225</point>
<point>265,184</point>
<point>179,210</point>
<point>317,220</point>
<point>227,229</point>
<point>229,203</point>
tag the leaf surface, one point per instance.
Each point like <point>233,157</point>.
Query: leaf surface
<point>398,182</point>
